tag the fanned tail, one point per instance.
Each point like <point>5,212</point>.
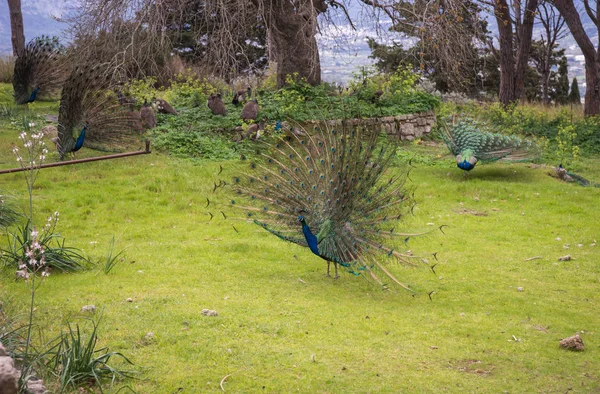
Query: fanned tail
<point>40,68</point>
<point>338,180</point>
<point>88,98</point>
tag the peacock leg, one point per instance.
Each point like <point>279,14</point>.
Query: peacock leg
<point>336,273</point>
<point>328,265</point>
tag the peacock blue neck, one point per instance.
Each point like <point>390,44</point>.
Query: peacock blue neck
<point>80,139</point>
<point>33,95</point>
<point>465,165</point>
<point>311,239</point>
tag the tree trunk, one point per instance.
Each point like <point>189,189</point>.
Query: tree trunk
<point>512,70</point>
<point>525,35</point>
<point>16,26</point>
<point>292,30</point>
<point>545,83</point>
<point>592,57</point>
<point>506,59</point>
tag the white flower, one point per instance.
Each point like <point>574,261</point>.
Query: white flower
<point>31,124</point>
<point>45,274</point>
<point>34,233</point>
<point>42,157</point>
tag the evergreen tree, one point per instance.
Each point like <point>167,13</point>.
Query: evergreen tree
<point>560,91</point>
<point>574,96</point>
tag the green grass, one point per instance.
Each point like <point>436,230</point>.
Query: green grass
<point>283,326</point>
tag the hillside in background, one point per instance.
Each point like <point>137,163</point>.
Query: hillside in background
<point>343,50</point>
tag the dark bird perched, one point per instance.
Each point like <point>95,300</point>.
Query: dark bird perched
<point>124,100</point>
<point>90,113</point>
<point>164,107</point>
<point>376,96</point>
<point>147,116</point>
<point>240,96</point>
<point>326,191</point>
<point>470,145</point>
<point>39,69</point>
<point>250,110</point>
<point>216,105</point>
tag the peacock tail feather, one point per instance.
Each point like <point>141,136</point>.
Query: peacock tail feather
<point>465,138</point>
<point>40,68</point>
<point>336,182</point>
<point>88,99</point>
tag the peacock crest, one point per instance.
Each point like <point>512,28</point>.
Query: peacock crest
<point>331,190</point>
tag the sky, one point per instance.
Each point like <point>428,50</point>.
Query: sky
<point>343,50</point>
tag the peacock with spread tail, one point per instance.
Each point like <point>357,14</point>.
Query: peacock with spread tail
<point>90,113</point>
<point>470,145</point>
<point>330,191</point>
<point>39,69</point>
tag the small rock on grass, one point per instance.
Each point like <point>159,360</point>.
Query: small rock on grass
<point>565,258</point>
<point>573,343</point>
<point>209,312</point>
<point>88,308</point>
<point>9,376</point>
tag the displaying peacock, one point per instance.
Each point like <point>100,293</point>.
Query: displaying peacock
<point>470,145</point>
<point>90,113</point>
<point>329,191</point>
<point>39,69</point>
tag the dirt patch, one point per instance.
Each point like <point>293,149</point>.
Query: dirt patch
<point>464,211</point>
<point>471,366</point>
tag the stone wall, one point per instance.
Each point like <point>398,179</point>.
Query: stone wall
<point>406,127</point>
<point>409,127</point>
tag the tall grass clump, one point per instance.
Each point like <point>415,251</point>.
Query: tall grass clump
<point>77,363</point>
<point>8,211</point>
<point>7,67</point>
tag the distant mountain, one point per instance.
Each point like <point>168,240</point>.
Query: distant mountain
<point>37,20</point>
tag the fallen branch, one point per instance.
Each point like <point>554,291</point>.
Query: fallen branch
<point>534,258</point>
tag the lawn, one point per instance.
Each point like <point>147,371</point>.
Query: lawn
<point>283,326</point>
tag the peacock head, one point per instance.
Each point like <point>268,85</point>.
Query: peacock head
<point>466,161</point>
<point>301,216</point>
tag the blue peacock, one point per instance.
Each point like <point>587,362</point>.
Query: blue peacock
<point>470,145</point>
<point>39,69</point>
<point>90,113</point>
<point>330,191</point>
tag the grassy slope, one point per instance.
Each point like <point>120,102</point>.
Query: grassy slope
<point>277,334</point>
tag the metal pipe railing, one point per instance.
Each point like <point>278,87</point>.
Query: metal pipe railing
<point>66,163</point>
